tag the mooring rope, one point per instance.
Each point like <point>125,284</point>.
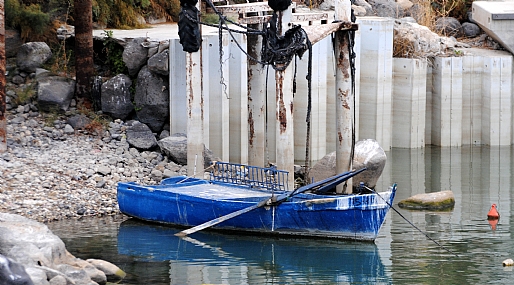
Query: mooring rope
<point>414,226</point>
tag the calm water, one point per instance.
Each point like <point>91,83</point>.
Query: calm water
<point>478,177</point>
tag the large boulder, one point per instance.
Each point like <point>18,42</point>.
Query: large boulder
<point>368,153</point>
<point>32,55</point>
<point>116,95</point>
<point>443,200</point>
<point>175,148</point>
<point>152,99</point>
<point>29,246</point>
<point>135,55</point>
<point>448,26</point>
<point>54,93</point>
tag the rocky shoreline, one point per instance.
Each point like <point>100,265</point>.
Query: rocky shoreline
<point>52,171</point>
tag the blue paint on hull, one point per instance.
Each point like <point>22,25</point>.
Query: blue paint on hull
<point>196,201</point>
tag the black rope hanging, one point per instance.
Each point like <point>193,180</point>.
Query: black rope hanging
<point>277,51</point>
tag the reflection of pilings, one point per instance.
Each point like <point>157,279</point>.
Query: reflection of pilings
<point>3,119</point>
<point>344,96</point>
<point>447,101</point>
<point>284,113</point>
<point>256,102</point>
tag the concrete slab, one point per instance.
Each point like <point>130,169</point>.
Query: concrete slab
<point>496,18</point>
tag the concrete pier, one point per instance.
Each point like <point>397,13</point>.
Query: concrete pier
<point>447,101</point>
<point>409,102</point>
<point>402,103</point>
<point>376,69</point>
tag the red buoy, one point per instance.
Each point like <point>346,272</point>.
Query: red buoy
<point>493,213</point>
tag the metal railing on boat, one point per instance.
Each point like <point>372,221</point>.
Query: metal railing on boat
<point>269,178</point>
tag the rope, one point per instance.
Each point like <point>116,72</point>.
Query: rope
<point>391,206</point>
<point>308,116</point>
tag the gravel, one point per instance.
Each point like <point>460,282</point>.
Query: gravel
<point>52,172</point>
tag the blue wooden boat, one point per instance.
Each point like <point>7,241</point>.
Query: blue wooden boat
<point>256,200</point>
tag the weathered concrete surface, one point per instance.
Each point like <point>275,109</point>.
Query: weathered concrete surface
<point>443,200</point>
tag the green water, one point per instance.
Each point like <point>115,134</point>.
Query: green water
<point>478,177</point>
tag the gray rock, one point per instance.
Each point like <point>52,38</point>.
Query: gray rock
<point>54,93</point>
<point>159,63</point>
<point>78,275</point>
<point>470,30</point>
<point>104,170</point>
<point>135,55</point>
<point>175,148</point>
<point>29,242</point>
<point>78,122</point>
<point>38,275</point>
<point>387,9</point>
<point>116,95</point>
<point>17,79</point>
<point>152,99</point>
<point>443,200</point>
<point>68,129</point>
<point>13,273</point>
<point>164,134</point>
<point>113,272</point>
<point>58,280</point>
<point>32,55</point>
<point>448,26</point>
<point>141,137</point>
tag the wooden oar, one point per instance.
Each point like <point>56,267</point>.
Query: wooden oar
<point>340,177</point>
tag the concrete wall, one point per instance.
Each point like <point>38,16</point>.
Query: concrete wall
<point>402,103</point>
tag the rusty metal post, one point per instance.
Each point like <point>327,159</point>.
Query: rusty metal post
<point>3,118</point>
<point>195,114</point>
<point>256,102</point>
<point>284,102</point>
<point>344,97</point>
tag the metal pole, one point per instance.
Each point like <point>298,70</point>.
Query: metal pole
<point>344,97</point>
<point>195,106</point>
<point>256,102</point>
<point>284,114</point>
<point>3,119</point>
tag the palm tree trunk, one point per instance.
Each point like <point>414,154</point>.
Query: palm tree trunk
<point>84,69</point>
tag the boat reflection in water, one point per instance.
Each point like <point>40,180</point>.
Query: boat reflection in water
<point>234,259</point>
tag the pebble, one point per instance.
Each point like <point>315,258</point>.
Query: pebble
<point>51,172</point>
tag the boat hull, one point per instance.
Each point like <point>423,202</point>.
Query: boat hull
<point>356,217</point>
